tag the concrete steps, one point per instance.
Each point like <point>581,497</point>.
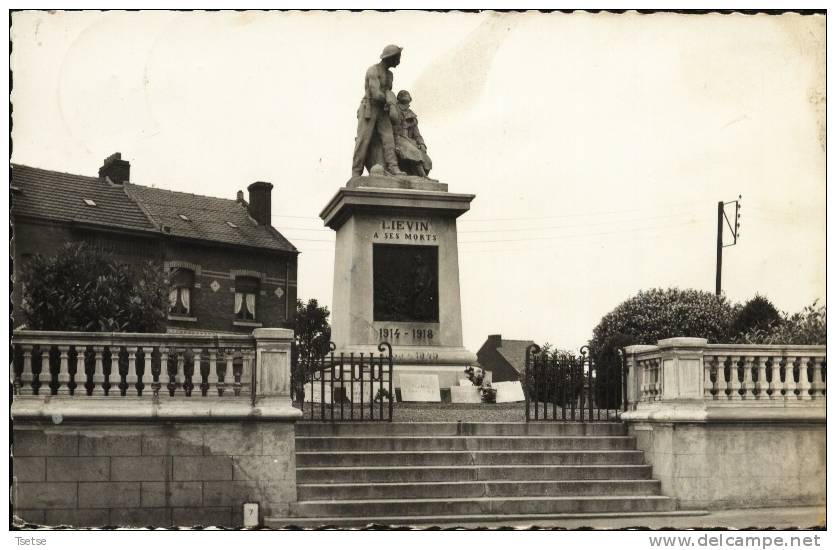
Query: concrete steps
<point>478,489</point>
<point>391,473</point>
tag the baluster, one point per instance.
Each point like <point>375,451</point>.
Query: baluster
<point>14,374</point>
<point>212,380</point>
<point>734,378</point>
<point>26,375</point>
<point>657,387</point>
<point>188,375</point>
<point>722,381</point>
<point>775,383</point>
<point>197,371</point>
<point>98,372</point>
<point>228,372</point>
<point>644,380</point>
<point>173,373</point>
<point>761,385</point>
<point>748,385</point>
<point>708,386</point>
<point>14,377</point>
<point>803,379</point>
<point>236,377</point>
<point>157,383</point>
<point>147,352</point>
<point>114,378</point>
<point>63,378</point>
<point>817,389</point>
<point>790,384</point>
<point>131,378</point>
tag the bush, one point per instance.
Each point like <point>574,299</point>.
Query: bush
<point>312,335</point>
<point>757,313</point>
<point>807,327</point>
<point>83,289</point>
<point>655,314</point>
<point>559,376</point>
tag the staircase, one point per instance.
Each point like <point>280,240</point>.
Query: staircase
<point>467,473</point>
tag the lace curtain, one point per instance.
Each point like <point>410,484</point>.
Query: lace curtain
<point>251,305</point>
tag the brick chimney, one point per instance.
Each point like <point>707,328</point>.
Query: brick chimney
<point>495,340</point>
<point>259,203</point>
<point>118,170</point>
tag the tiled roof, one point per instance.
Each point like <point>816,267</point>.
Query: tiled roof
<point>514,352</point>
<point>207,218</point>
<point>53,195</point>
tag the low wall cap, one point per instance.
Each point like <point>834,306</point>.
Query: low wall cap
<point>682,342</point>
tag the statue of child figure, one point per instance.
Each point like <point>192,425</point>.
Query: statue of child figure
<point>409,145</point>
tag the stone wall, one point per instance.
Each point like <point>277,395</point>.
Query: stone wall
<point>736,465</point>
<point>142,474</point>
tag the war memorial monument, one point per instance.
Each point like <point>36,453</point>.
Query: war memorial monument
<point>396,264</point>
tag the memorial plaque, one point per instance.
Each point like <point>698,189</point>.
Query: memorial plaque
<point>367,393</point>
<point>508,392</point>
<point>405,283</point>
<point>313,393</point>
<point>420,387</point>
<point>465,394</point>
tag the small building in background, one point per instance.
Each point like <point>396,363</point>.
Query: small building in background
<point>505,359</point>
<point>229,269</point>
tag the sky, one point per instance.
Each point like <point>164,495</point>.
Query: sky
<point>597,145</point>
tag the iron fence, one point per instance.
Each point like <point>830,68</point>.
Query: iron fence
<point>562,386</point>
<point>339,387</point>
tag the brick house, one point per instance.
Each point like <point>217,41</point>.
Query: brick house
<point>505,359</point>
<point>230,270</point>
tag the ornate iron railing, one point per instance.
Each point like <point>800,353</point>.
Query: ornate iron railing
<point>567,387</point>
<point>347,387</point>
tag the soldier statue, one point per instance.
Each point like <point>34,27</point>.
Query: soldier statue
<point>373,122</point>
<point>409,144</point>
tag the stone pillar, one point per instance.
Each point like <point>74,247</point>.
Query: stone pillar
<point>272,365</point>
<point>682,370</point>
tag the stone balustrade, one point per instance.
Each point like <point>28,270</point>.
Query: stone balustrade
<point>151,429</point>
<point>83,364</point>
<point>692,369</point>
<point>730,425</point>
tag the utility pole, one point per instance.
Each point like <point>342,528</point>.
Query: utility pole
<point>735,230</point>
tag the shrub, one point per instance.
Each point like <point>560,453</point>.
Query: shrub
<point>655,314</point>
<point>806,327</point>
<point>84,289</point>
<point>559,376</point>
<point>757,313</point>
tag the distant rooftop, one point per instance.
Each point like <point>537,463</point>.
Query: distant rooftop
<point>47,194</point>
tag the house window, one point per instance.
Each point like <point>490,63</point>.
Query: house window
<point>180,293</point>
<point>246,290</point>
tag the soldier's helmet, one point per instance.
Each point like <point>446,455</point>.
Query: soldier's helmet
<point>403,95</point>
<point>390,51</point>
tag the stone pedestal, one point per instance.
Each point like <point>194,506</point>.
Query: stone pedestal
<point>396,273</point>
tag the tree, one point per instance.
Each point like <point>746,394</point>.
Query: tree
<point>84,289</point>
<point>312,340</point>
<point>757,314</point>
<point>807,327</point>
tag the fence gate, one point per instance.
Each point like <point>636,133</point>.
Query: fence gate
<point>345,387</point>
<point>562,386</point>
